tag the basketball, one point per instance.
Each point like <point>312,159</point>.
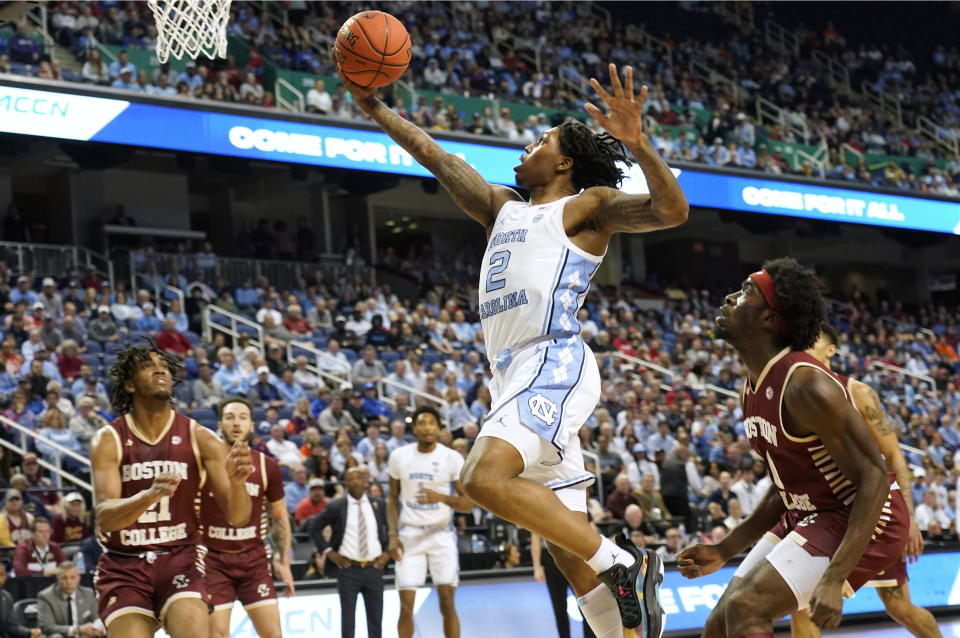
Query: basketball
<point>373,48</point>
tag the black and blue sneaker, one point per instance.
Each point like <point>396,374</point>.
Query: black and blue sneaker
<point>637,590</point>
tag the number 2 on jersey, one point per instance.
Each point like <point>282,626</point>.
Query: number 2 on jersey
<point>151,515</point>
<point>498,263</point>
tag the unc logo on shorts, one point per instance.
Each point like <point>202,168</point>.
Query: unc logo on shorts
<point>543,408</point>
<point>263,590</point>
<point>180,581</point>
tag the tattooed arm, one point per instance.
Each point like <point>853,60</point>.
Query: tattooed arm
<point>280,528</point>
<point>601,211</point>
<point>885,434</point>
<point>477,198</point>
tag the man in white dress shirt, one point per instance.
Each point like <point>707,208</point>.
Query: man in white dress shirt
<point>358,541</point>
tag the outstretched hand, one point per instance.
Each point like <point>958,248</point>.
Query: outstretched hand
<point>625,119</point>
<point>359,93</point>
<point>699,560</point>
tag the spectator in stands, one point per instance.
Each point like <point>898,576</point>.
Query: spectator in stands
<point>735,514</point>
<point>169,340</point>
<point>71,328</point>
<point>318,100</point>
<point>637,522</point>
<point>49,333</point>
<point>306,379</point>
<point>125,82</point>
<point>180,319</point>
<point>369,368</point>
<point>38,556</point>
<point>650,499</point>
<point>207,392</point>
<point>121,65</point>
<point>333,360</point>
<point>263,393</point>
<point>149,322</point>
<point>50,297</point>
<point>310,506</point>
<point>286,452</point>
<point>342,454</point>
<point>11,358</point>
<point>302,419</point>
<point>85,423</point>
<point>19,413</point>
<point>354,405</point>
<point>319,316</point>
<point>358,324</point>
<point>368,444</point>
<point>620,498</point>
<point>295,321</point>
<point>674,543</point>
<point>290,390</point>
<point>275,361</point>
<point>373,407</point>
<point>747,491</point>
<point>23,292</point>
<point>398,432</point>
<point>15,521</point>
<point>103,329</point>
<point>54,399</point>
<point>38,381</point>
<point>55,429</point>
<point>229,376</point>
<point>929,510</point>
<point>71,524</point>
<point>723,494</point>
<point>24,49</point>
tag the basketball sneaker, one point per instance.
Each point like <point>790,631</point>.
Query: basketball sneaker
<point>637,590</point>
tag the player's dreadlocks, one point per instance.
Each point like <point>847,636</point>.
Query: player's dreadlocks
<point>594,155</point>
<point>128,361</point>
<point>799,299</point>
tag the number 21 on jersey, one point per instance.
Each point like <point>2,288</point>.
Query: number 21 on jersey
<point>152,515</point>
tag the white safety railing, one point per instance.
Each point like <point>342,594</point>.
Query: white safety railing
<point>769,113</point>
<point>295,103</point>
<point>669,374</point>
<point>937,134</point>
<point>58,472</point>
<point>53,260</point>
<point>40,26</point>
<point>926,378</point>
<point>232,329</point>
<point>306,347</point>
<point>651,43</point>
<point>408,389</point>
<point>781,38</point>
<point>837,71</point>
<point>714,77</point>
<point>593,456</point>
<point>883,101</point>
<point>818,159</point>
<point>177,293</point>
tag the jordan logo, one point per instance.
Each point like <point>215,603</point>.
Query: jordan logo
<point>129,442</point>
<point>543,408</point>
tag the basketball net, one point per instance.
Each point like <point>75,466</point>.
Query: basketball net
<point>187,28</point>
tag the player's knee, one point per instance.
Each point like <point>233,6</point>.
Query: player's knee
<point>479,480</point>
<point>564,559</point>
<point>899,609</point>
<point>743,604</point>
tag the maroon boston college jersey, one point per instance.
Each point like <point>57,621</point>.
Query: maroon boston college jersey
<point>800,467</point>
<point>264,485</point>
<point>171,522</point>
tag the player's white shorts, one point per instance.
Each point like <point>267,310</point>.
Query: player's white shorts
<point>541,399</point>
<point>433,548</point>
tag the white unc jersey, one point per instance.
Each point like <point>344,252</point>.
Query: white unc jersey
<point>533,279</point>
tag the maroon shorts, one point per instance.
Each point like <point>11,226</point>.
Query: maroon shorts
<point>895,576</point>
<point>244,576</point>
<point>132,585</point>
<point>822,533</point>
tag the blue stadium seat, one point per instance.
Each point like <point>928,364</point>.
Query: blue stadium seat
<point>94,348</point>
<point>320,343</point>
<point>432,356</point>
<point>108,360</point>
<point>350,354</point>
<point>285,412</point>
<point>190,365</point>
<point>388,357</point>
<point>93,360</point>
<point>327,440</point>
<point>192,337</point>
<point>204,414</point>
<point>243,328</point>
<point>210,424</point>
<point>114,347</point>
<point>259,414</point>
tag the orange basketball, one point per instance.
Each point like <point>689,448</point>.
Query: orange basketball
<point>373,48</point>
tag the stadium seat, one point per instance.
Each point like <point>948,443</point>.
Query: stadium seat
<point>388,357</point>
<point>190,365</point>
<point>432,356</point>
<point>327,440</point>
<point>204,414</point>
<point>108,360</point>
<point>93,360</point>
<point>243,328</point>
<point>114,347</point>
<point>94,347</point>
<point>259,414</point>
<point>210,424</point>
<point>350,354</point>
<point>192,337</point>
<point>286,412</point>
<point>25,613</point>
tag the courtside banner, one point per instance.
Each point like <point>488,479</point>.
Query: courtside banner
<point>522,607</point>
<point>100,116</point>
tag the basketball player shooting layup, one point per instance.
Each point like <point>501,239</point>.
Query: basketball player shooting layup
<point>831,519</point>
<point>892,585</point>
<point>526,466</point>
<point>148,467</point>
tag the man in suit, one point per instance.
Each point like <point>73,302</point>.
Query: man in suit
<point>66,609</point>
<point>358,544</point>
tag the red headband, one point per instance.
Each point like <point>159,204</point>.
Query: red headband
<point>768,289</point>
